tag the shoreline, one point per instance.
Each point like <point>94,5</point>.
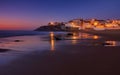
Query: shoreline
<point>112,34</point>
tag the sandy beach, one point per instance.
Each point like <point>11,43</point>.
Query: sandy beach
<point>65,59</point>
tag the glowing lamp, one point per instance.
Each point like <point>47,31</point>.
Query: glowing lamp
<point>95,23</point>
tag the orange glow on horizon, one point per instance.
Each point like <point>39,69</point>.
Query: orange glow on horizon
<point>18,24</point>
<point>11,23</point>
<point>7,24</point>
<point>13,27</point>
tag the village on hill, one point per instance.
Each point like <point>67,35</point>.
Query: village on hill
<point>81,24</point>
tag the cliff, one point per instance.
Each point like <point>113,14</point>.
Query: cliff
<point>51,28</point>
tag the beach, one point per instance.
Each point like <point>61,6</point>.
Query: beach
<point>112,34</point>
<point>67,60</point>
<point>64,57</point>
<point>59,37</point>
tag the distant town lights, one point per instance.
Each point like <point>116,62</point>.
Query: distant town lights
<point>95,23</point>
<point>95,37</point>
<point>51,23</point>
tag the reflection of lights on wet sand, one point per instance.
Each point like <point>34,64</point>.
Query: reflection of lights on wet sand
<point>74,37</point>
<point>95,37</point>
<point>51,34</point>
<point>52,45</point>
<point>84,35</point>
<point>112,43</point>
<point>52,41</point>
<point>74,41</point>
<point>74,33</point>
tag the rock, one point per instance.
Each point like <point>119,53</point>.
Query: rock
<point>50,28</point>
<point>106,44</point>
<point>4,50</point>
<point>17,40</point>
<point>57,38</point>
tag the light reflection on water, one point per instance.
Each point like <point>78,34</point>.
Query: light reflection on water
<point>20,45</point>
<point>48,42</point>
<point>83,39</point>
<point>35,42</point>
<point>92,40</point>
<point>52,41</point>
<point>27,43</point>
<point>112,43</point>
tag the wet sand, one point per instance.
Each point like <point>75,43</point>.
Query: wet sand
<point>67,60</point>
<point>112,34</point>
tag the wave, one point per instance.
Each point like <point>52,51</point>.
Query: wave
<point>9,33</point>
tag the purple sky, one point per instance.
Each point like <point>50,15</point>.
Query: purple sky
<point>30,14</point>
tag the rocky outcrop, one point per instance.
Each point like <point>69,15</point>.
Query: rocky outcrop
<point>51,28</point>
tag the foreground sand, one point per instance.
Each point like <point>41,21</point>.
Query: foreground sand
<point>67,60</point>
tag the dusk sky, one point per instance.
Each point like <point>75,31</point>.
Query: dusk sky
<point>30,14</point>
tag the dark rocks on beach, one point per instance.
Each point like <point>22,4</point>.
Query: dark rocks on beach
<point>70,34</point>
<point>57,38</point>
<point>4,50</point>
<point>106,44</point>
<point>17,40</point>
